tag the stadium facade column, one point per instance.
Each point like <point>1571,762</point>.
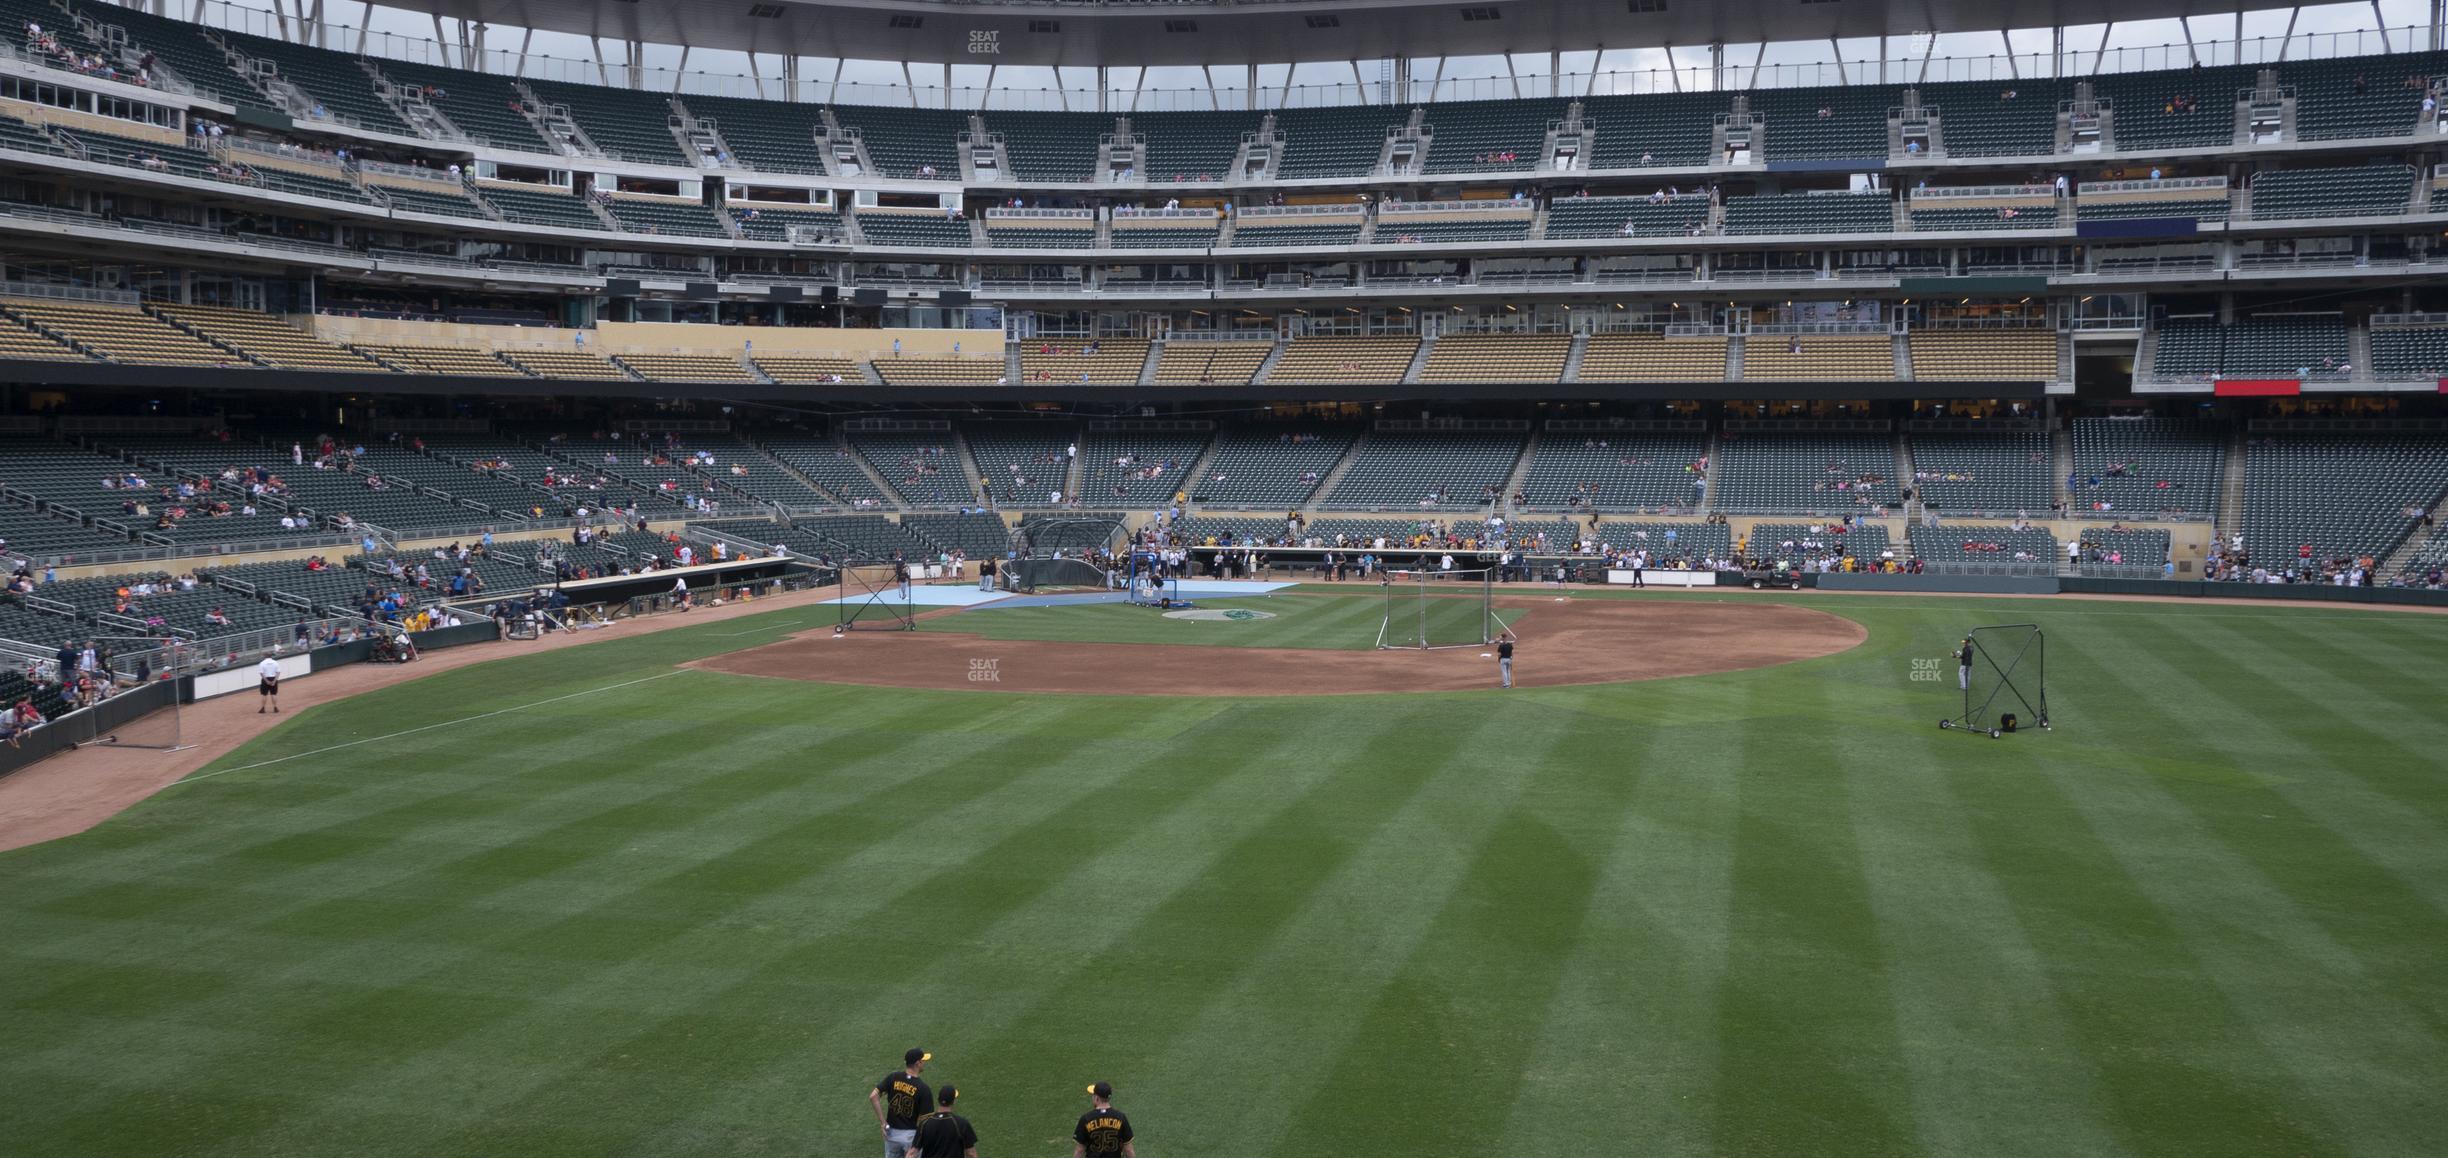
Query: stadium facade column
<point>1717,65</point>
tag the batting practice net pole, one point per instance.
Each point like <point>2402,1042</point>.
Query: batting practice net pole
<point>2008,670</point>
<point>1432,609</point>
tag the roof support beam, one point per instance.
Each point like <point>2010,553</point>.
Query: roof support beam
<point>2381,22</point>
<point>2099,56</point>
<point>2056,51</point>
<point>682,70</point>
<point>834,89</point>
<point>2288,41</point>
<point>1214,102</point>
<point>1928,45</point>
<point>1362,85</point>
<point>2186,23</point>
<point>524,41</point>
<point>1588,87</point>
<point>365,24</point>
<point>1436,76</point>
<point>2007,42</point>
<point>1514,78</point>
<point>1759,53</point>
<point>1836,53</point>
<point>909,85</point>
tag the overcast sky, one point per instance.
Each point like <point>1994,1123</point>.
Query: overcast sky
<point>1466,77</point>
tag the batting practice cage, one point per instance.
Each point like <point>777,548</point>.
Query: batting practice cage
<point>1428,609</point>
<point>1063,551</point>
<point>2005,687</point>
<point>875,597</point>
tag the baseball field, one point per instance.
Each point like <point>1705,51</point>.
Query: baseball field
<point>633,899</point>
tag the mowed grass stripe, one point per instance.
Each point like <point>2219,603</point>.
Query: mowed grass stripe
<point>1284,1025</point>
<point>1643,965</point>
<point>858,908</point>
<point>322,981</point>
<point>1994,1068</point>
<point>1807,1045</point>
<point>2302,994</point>
<point>999,1001</point>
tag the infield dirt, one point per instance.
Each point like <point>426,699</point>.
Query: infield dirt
<point>1561,643</point>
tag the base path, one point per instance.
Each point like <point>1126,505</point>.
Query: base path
<point>1562,642</point>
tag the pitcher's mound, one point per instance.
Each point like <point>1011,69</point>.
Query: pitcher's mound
<point>1571,642</point>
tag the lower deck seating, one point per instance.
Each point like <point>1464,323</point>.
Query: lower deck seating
<point>1427,471</point>
<point>2003,472</point>
<point>2343,495</point>
<point>922,467</point>
<point>977,536</point>
<point>1813,542</point>
<point>1265,466</point>
<point>2147,467</point>
<point>1615,470</point>
<point>1668,544</point>
<point>2123,547</point>
<point>1805,472</point>
<point>1996,544</point>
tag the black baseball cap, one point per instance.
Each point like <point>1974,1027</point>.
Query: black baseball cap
<point>1102,1089</point>
<point>913,1057</point>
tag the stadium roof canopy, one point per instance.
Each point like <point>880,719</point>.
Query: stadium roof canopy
<point>1130,33</point>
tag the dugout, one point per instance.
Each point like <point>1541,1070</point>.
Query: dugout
<point>705,581</point>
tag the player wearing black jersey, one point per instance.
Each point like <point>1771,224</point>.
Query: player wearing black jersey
<point>1103,1129</point>
<point>900,1100</point>
<point>944,1134</point>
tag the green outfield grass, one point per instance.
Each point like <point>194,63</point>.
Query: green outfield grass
<point>1774,912</point>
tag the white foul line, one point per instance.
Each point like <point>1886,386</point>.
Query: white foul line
<point>421,728</point>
